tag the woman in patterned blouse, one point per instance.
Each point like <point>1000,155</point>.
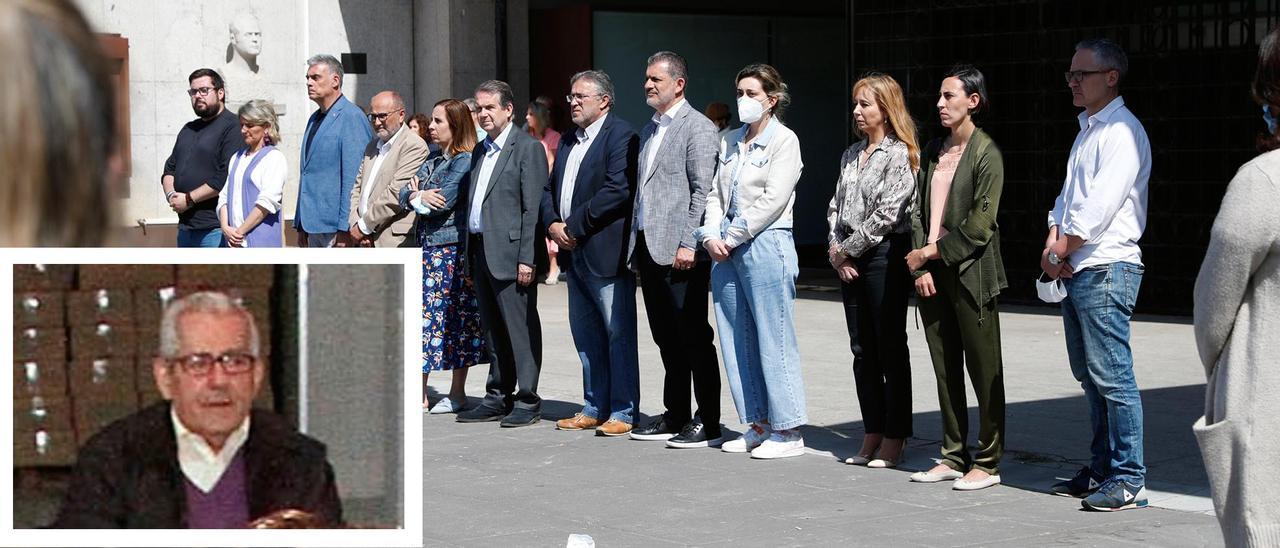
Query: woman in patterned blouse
<point>870,234</point>
<point>958,270</point>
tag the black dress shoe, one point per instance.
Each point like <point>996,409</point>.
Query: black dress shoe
<point>658,429</point>
<point>520,417</point>
<point>481,413</point>
<point>695,434</point>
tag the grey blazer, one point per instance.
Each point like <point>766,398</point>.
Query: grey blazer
<point>674,191</point>
<point>511,204</point>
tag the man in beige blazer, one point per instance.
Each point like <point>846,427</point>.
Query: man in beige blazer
<point>390,161</point>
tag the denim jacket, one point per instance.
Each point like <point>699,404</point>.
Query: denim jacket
<point>436,227</point>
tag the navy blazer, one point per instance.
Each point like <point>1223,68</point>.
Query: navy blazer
<point>600,212</point>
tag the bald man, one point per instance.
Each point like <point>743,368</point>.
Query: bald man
<point>390,162</point>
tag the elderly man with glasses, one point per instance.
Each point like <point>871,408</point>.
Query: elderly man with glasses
<point>202,459</point>
<point>391,159</point>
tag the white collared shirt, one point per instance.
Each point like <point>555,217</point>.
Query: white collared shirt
<point>492,148</point>
<point>662,120</point>
<point>198,461</point>
<point>366,187</point>
<point>574,161</point>
<point>1104,197</point>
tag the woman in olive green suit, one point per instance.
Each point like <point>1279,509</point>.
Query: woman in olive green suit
<point>959,273</point>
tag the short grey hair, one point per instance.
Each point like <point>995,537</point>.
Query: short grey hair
<point>1108,53</point>
<point>598,77</point>
<point>506,97</point>
<point>676,66</point>
<point>204,301</point>
<point>334,65</point>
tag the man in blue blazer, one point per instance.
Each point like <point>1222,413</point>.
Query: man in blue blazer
<point>332,149</point>
<point>586,208</point>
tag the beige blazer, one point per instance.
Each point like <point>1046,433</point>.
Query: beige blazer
<point>392,225</point>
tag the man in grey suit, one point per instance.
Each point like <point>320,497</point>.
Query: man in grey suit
<point>677,163</point>
<point>497,221</point>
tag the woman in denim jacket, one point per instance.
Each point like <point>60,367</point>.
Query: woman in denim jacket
<point>451,335</point>
<point>747,231</point>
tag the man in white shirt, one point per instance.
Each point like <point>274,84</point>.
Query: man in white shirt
<point>391,160</point>
<point>203,458</point>
<point>586,208</point>
<point>1092,246</point>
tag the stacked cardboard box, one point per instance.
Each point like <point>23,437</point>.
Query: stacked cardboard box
<point>86,338</point>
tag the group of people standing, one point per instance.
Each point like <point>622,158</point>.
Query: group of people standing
<point>688,207</point>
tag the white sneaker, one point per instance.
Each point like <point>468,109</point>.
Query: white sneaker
<point>782,444</point>
<point>749,440</point>
<point>447,405</point>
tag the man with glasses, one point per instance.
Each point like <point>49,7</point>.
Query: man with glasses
<point>202,459</point>
<point>332,148</point>
<point>391,160</point>
<point>1092,246</point>
<point>586,208</point>
<point>197,168</point>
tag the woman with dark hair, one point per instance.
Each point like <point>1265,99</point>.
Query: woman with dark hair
<point>538,122</point>
<point>959,273</point>
<point>418,123</point>
<point>869,236</point>
<point>451,335</point>
<point>1237,316</point>
<point>747,231</point>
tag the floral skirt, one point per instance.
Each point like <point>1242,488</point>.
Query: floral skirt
<point>451,333</point>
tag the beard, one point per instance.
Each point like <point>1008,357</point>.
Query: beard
<point>209,109</point>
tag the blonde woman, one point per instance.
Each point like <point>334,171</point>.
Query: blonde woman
<point>870,235</point>
<point>747,231</point>
<point>249,204</point>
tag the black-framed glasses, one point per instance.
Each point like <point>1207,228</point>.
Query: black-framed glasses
<point>579,97</point>
<point>201,364</point>
<point>1075,76</point>
<point>200,91</point>
<point>380,116</point>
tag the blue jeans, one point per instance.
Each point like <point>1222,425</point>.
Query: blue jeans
<point>1095,317</point>
<point>754,293</point>
<point>190,237</point>
<point>602,319</point>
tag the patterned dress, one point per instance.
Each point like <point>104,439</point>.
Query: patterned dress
<point>451,334</point>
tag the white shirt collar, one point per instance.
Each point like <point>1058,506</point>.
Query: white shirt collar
<point>495,145</point>
<point>665,118</point>
<point>592,130</point>
<point>1103,115</point>
<point>198,461</point>
<point>384,147</point>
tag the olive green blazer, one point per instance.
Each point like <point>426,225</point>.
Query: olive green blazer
<point>972,244</point>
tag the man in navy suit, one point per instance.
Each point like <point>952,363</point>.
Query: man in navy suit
<point>332,151</point>
<point>586,208</point>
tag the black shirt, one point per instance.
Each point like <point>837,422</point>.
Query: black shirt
<point>200,157</point>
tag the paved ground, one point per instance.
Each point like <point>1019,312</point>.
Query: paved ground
<point>535,486</point>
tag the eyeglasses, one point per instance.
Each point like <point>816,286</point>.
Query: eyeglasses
<point>200,91</point>
<point>579,97</point>
<point>1075,76</point>
<point>201,364</point>
<point>380,116</point>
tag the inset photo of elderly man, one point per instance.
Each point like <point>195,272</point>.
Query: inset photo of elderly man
<point>208,396</point>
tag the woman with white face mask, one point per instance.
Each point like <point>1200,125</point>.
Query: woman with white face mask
<point>747,231</point>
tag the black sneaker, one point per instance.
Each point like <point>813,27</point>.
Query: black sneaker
<point>695,434</point>
<point>1085,482</point>
<point>657,429</point>
<point>1116,494</point>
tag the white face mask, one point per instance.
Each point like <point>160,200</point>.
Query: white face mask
<point>749,110</point>
<point>1050,291</point>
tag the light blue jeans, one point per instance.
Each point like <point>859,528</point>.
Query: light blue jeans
<point>754,293</point>
<point>190,237</point>
<point>1095,317</point>
<point>602,319</point>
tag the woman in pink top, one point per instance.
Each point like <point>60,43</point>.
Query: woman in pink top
<point>958,270</point>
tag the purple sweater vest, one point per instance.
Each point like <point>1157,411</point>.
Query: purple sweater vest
<point>226,506</point>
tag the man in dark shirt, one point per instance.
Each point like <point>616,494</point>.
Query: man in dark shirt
<point>197,168</point>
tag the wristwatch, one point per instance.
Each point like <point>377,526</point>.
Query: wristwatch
<point>1053,258</point>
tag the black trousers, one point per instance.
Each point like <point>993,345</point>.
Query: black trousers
<point>676,302</point>
<point>875,311</point>
<point>513,331</point>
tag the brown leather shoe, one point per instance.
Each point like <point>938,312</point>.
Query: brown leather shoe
<point>577,422</point>
<point>614,427</point>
